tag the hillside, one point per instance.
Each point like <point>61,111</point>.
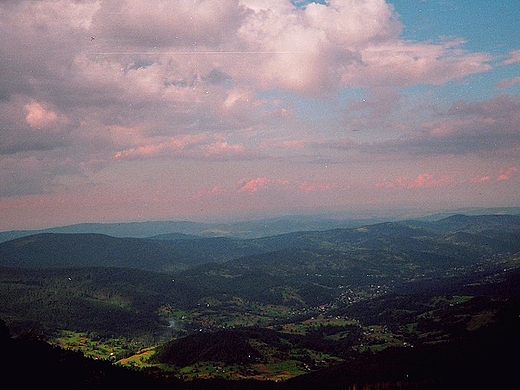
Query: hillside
<point>442,342</point>
<point>242,229</point>
<point>53,250</point>
<point>107,301</point>
<point>454,240</point>
<point>255,228</point>
<point>329,306</point>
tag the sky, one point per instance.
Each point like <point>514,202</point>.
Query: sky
<point>131,110</point>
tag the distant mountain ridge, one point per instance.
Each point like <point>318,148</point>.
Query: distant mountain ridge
<point>453,240</point>
<point>130,229</point>
<point>160,229</point>
<point>245,229</point>
<point>56,250</point>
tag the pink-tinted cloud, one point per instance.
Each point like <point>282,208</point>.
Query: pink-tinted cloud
<point>307,187</point>
<point>288,186</point>
<point>481,179</point>
<point>32,126</point>
<point>348,43</point>
<point>507,83</point>
<point>423,180</point>
<point>192,146</point>
<point>38,116</point>
<point>489,126</point>
<point>202,23</point>
<point>253,185</point>
<point>223,150</point>
<point>427,180</point>
<point>503,174</point>
<point>283,144</point>
<point>506,174</point>
<point>213,192</point>
<point>172,145</point>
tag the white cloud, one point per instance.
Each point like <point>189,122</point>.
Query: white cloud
<point>162,23</point>
<point>195,79</point>
<point>38,116</point>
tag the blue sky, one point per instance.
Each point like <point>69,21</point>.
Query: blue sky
<point>486,25</point>
<point>128,110</point>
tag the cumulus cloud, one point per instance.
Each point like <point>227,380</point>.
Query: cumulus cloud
<point>253,185</point>
<point>423,180</point>
<point>196,23</point>
<point>356,43</point>
<point>401,63</point>
<point>31,126</point>
<point>466,127</point>
<point>203,80</point>
<point>310,50</point>
<point>38,116</point>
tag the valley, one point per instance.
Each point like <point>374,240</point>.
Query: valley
<point>273,310</point>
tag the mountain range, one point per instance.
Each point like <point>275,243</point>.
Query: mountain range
<point>455,240</point>
<point>253,228</point>
<point>397,303</point>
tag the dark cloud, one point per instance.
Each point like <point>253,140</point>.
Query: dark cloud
<point>217,77</point>
<point>167,24</point>
<point>489,126</point>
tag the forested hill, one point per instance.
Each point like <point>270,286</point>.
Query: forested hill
<point>456,239</point>
<point>52,250</point>
<point>422,304</point>
<point>244,229</point>
<point>255,228</point>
